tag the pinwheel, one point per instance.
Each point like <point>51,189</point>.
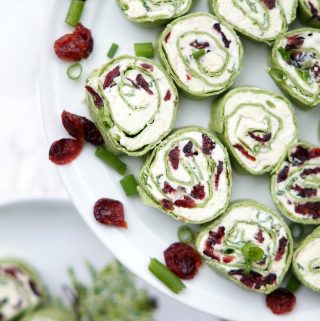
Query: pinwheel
<point>260,20</point>
<point>306,261</point>
<point>152,13</point>
<point>188,176</point>
<point>20,289</point>
<point>133,103</point>
<point>296,184</point>
<point>258,126</point>
<point>203,55</point>
<point>249,244</point>
<point>51,313</point>
<point>295,66</point>
<point>309,12</point>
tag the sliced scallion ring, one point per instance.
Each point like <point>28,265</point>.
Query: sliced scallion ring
<point>112,51</point>
<point>129,185</point>
<point>74,71</point>
<point>144,49</point>
<point>185,234</point>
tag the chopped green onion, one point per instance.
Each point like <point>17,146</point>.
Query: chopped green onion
<point>185,235</point>
<point>198,54</point>
<point>144,49</point>
<point>112,51</point>
<point>167,277</point>
<point>297,231</point>
<point>111,160</point>
<point>74,12</point>
<point>74,71</point>
<point>252,253</point>
<point>293,284</point>
<point>129,185</point>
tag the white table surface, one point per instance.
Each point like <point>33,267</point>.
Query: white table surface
<point>24,167</point>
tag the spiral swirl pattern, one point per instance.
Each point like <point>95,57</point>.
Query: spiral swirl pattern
<point>248,222</point>
<point>260,20</point>
<point>203,55</point>
<point>188,176</point>
<point>295,66</point>
<point>309,12</point>
<point>296,184</point>
<point>257,127</point>
<point>154,12</point>
<point>133,103</point>
<point>20,289</point>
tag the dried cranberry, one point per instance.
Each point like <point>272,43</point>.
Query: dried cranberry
<point>147,66</point>
<point>270,3</point>
<point>314,153</point>
<point>167,188</point>
<point>174,156</point>
<point>167,204</point>
<point>209,251</point>
<point>110,76</point>
<point>294,42</point>
<point>281,301</point>
<point>198,192</point>
<point>34,288</point>
<point>207,145</point>
<point>283,174</point>
<point>281,249</point>
<point>305,192</point>
<point>188,149</point>
<point>183,260</point>
<point>259,236</point>
<point>271,278</point>
<point>199,45</point>
<point>75,46</point>
<point>244,152</point>
<point>217,237</point>
<point>225,40</point>
<point>166,38</point>
<point>98,101</point>
<point>309,209</point>
<point>167,96</point>
<point>109,212</point>
<point>253,279</point>
<point>217,176</point>
<point>310,171</point>
<point>12,271</point>
<point>186,202</point>
<point>314,11</point>
<point>299,155</point>
<point>65,150</point>
<point>228,258</point>
<point>188,77</point>
<point>91,133</point>
<point>143,84</point>
<point>261,139</point>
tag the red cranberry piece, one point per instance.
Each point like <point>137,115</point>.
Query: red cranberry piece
<point>174,156</point>
<point>310,171</point>
<point>271,278</point>
<point>300,155</point>
<point>207,145</point>
<point>281,301</point>
<point>294,42</point>
<point>198,192</point>
<point>147,66</point>
<point>261,139</point>
<point>283,174</point>
<point>188,149</point>
<point>309,209</point>
<point>109,212</point>
<point>228,258</point>
<point>188,77</point>
<point>305,192</point>
<point>186,202</point>
<point>65,150</point>
<point>281,249</point>
<point>225,40</point>
<point>183,260</point>
<point>270,4</point>
<point>75,46</point>
<point>244,152</point>
<point>217,176</point>
<point>166,38</point>
<point>167,188</point>
<point>98,101</point>
<point>259,236</point>
<point>141,82</point>
<point>91,133</point>
<point>167,204</point>
<point>199,45</point>
<point>111,75</point>
<point>167,96</point>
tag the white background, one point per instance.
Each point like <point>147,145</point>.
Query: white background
<point>24,167</point>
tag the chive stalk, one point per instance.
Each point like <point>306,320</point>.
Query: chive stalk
<point>160,271</point>
<point>74,71</point>
<point>112,160</point>
<point>74,12</point>
<point>198,54</point>
<point>129,185</point>
<point>144,49</point>
<point>112,51</point>
<point>185,235</point>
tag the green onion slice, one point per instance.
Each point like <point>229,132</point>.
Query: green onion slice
<point>112,160</point>
<point>74,71</point>
<point>252,253</point>
<point>160,271</point>
<point>293,284</point>
<point>297,231</point>
<point>277,74</point>
<point>129,185</point>
<point>198,54</point>
<point>144,49</point>
<point>74,12</point>
<point>185,234</point>
<point>112,51</point>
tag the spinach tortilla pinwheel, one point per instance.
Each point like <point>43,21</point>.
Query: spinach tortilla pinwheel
<point>295,66</point>
<point>50,313</point>
<point>153,13</point>
<point>260,20</point>
<point>309,12</point>
<point>249,244</point>
<point>306,261</point>
<point>296,184</point>
<point>256,125</point>
<point>188,176</point>
<point>21,290</point>
<point>133,102</point>
<point>203,55</point>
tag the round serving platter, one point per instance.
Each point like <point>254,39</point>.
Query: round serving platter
<point>150,231</point>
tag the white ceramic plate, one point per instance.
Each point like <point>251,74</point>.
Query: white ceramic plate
<point>150,231</point>
<point>39,232</point>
